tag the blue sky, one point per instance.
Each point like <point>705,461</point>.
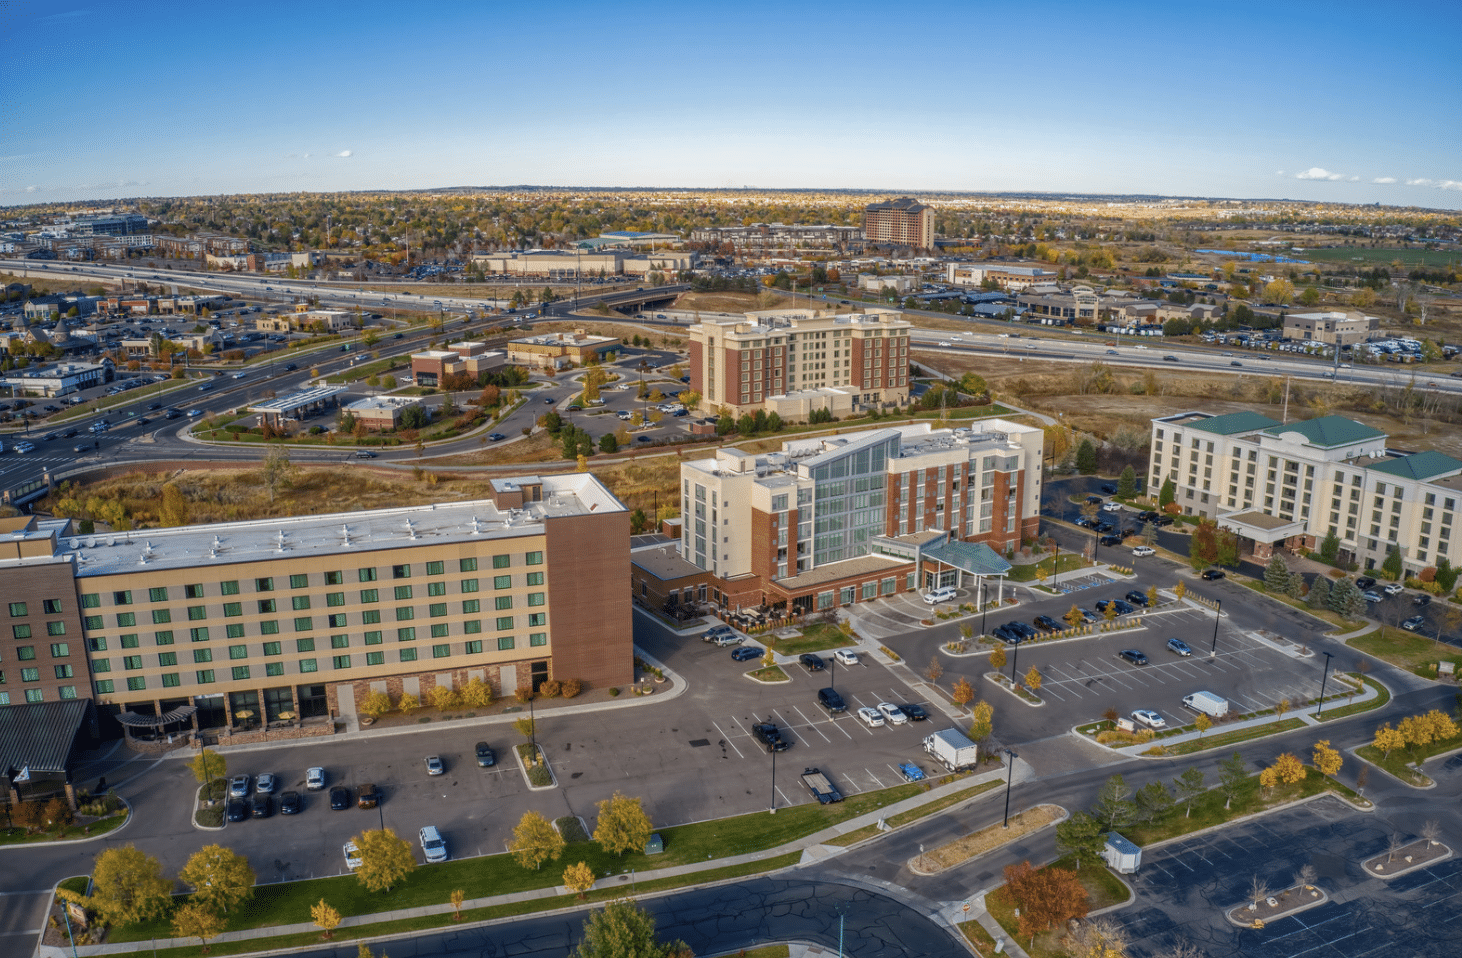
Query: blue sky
<point>1339,101</point>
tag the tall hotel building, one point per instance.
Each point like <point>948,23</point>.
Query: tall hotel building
<point>285,620</point>
<point>901,222</point>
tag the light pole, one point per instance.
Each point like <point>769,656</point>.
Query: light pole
<point>1325,675</point>
<point>1009,777</point>
<point>1217,614</point>
<point>984,609</point>
<point>774,780</point>
<point>532,726</point>
<point>1015,657</point>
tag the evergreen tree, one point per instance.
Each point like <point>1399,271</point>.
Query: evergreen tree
<point>1330,547</point>
<point>1340,592</point>
<point>1276,575</point>
<point>1168,494</point>
<point>1086,461</point>
<point>1320,592</point>
<point>1296,587</point>
<point>1127,483</point>
<point>1391,568</point>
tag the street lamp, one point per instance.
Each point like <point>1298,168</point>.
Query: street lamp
<point>1009,777</point>
<point>1325,675</point>
<point>1015,656</point>
<point>774,781</point>
<point>1217,614</point>
<point>984,609</point>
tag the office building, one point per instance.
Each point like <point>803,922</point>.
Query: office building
<point>284,620</point>
<point>1009,278</point>
<point>1288,485</point>
<point>790,361</point>
<point>901,222</point>
<point>558,350</point>
<point>1332,328</point>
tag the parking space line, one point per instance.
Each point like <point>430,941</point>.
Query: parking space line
<point>839,726</point>
<point>729,740</point>
<point>877,782</point>
<point>808,723</point>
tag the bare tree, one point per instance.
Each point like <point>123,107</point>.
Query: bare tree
<point>1305,876</point>
<point>1258,889</point>
<point>1181,949</point>
<point>1099,936</point>
<point>1394,845</point>
<point>1430,831</point>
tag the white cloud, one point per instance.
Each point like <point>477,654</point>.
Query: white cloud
<point>1279,172</point>
<point>343,153</point>
<point>1355,179</point>
<point>1439,184</point>
<point>30,189</point>
<point>1384,179</point>
<point>307,156</point>
<point>1318,173</point>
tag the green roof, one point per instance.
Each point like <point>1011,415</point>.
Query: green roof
<point>976,558</point>
<point>1328,431</point>
<point>1234,423</point>
<point>1422,465</point>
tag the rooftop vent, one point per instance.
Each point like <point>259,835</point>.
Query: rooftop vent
<point>410,529</point>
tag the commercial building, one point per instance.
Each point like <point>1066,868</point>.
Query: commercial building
<point>59,379</point>
<point>877,284</point>
<point>283,620</point>
<point>1010,278</point>
<point>552,264</point>
<point>556,350</point>
<point>747,362</point>
<point>1080,303</point>
<point>831,521</point>
<point>431,368</point>
<point>1288,485</point>
<point>107,225</point>
<point>901,222</point>
<point>761,236</point>
<point>1331,328</point>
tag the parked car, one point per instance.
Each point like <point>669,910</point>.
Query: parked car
<point>945,594</point>
<point>1211,574</point>
<point>845,657</point>
<point>1142,551</point>
<point>1371,596</point>
<point>485,756</point>
<point>1414,623</point>
<point>892,714</point>
<point>266,784</point>
<point>1149,718</point>
<point>1394,588</point>
<point>290,803</point>
<point>1047,623</point>
<point>812,662</point>
<point>1179,646</point>
<point>434,765</point>
<point>340,798</point>
<point>745,653</point>
<point>770,737</point>
<point>315,779</point>
<point>1135,656</point>
<point>1364,582</point>
<point>263,806</point>
<point>1110,540</point>
<point>914,712</point>
<point>871,717</point>
<point>1110,488</point>
<point>237,810</point>
<point>367,796</point>
<point>715,631</point>
<point>831,700</point>
<point>238,786</point>
<point>1421,600</point>
<point>1137,597</point>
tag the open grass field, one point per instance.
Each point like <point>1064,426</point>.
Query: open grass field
<point>1418,654</point>
<point>1368,258</point>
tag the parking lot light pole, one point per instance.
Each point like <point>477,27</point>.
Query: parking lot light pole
<point>984,609</point>
<point>1015,658</point>
<point>1009,777</point>
<point>1217,614</point>
<point>1323,676</point>
<point>774,780</point>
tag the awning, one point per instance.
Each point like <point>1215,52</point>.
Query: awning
<point>133,720</point>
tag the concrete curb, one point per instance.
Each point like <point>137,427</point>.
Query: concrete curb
<point>197,803</point>
<point>1320,898</point>
<point>76,841</point>
<point>1370,872</point>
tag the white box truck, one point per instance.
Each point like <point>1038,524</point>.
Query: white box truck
<point>1207,703</point>
<point>1122,856</point>
<point>952,749</point>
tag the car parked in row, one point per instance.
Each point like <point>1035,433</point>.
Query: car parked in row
<point>1149,718</point>
<point>812,662</point>
<point>892,713</point>
<point>1180,647</point>
<point>770,737</point>
<point>831,700</point>
<point>1135,656</point>
<point>745,653</point>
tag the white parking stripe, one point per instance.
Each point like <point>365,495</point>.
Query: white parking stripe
<point>806,722</point>
<point>877,782</point>
<point>839,726</point>
<point>730,740</point>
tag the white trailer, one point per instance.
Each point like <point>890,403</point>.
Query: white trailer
<point>1122,856</point>
<point>952,749</point>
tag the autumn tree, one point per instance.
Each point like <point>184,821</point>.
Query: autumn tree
<point>535,841</point>
<point>197,920</point>
<point>128,886</point>
<point>622,929</point>
<point>982,727</point>
<point>456,898</point>
<point>385,858</point>
<point>578,878</point>
<point>962,692</point>
<point>1326,760</point>
<point>1033,679</point>
<point>1203,551</point>
<point>174,508</point>
<point>1074,617</point>
<point>220,877</point>
<point>1046,896</point>
<point>998,658</point>
<point>934,670</point>
<point>326,918</point>
<point>623,825</point>
<point>208,765</point>
<point>1098,938</point>
<point>278,471</point>
<point>1287,768</point>
<point>376,704</point>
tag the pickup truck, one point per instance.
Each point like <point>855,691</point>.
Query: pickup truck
<point>820,786</point>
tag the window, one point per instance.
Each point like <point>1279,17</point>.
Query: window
<point>436,588</point>
<point>304,645</point>
<point>471,606</point>
<point>535,578</point>
<point>167,659</point>
<point>308,665</point>
<point>342,661</point>
<point>269,627</point>
<point>34,675</point>
<point>265,584</point>
<point>233,608</point>
<point>273,648</point>
<point>334,600</point>
<point>104,687</point>
<point>129,641</point>
<point>240,672</point>
<point>405,613</point>
<point>537,619</point>
<point>370,595</point>
<point>273,668</point>
<point>17,609</point>
<point>91,600</point>
<point>502,602</point>
<point>441,651</point>
<point>299,581</point>
<point>94,622</point>
<point>437,609</point>
<point>366,575</point>
<point>373,638</point>
<point>401,571</point>
<point>63,672</point>
<point>474,647</point>
<point>339,641</point>
<point>131,662</point>
<point>439,630</point>
<point>502,582</point>
<point>537,638</point>
<point>163,638</point>
<point>238,651</point>
<point>502,562</point>
<point>469,585</point>
<point>36,695</point>
<point>267,607</point>
<point>21,631</point>
<point>472,626</point>
<point>467,565</point>
<point>197,613</point>
<point>59,650</point>
<point>504,643</point>
<point>126,620</point>
<point>435,568</point>
<point>202,655</point>
<point>403,593</point>
<point>533,558</point>
<point>375,658</point>
<point>335,578</point>
<point>158,593</point>
<point>304,623</point>
<point>230,587</point>
<point>118,598</point>
<point>406,634</point>
<point>371,617</point>
<point>27,653</point>
<point>336,620</point>
<point>504,622</point>
<point>300,602</point>
<point>535,598</point>
<point>193,591</point>
<point>135,683</point>
<point>161,616</point>
<point>99,643</point>
<point>407,655</point>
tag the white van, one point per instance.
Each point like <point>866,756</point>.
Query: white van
<point>1207,703</point>
<point>433,844</point>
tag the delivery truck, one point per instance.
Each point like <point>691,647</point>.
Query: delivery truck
<point>1207,703</point>
<point>952,749</point>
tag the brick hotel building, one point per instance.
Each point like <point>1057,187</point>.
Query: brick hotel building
<point>901,222</point>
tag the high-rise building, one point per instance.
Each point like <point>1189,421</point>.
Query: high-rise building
<point>901,222</point>
<point>285,619</point>
<point>794,361</point>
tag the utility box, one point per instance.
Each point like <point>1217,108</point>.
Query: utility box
<point>1122,856</point>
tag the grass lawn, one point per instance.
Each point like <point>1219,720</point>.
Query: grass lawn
<point>1417,654</point>
<point>1225,739</point>
<point>1381,256</point>
<point>1103,890</point>
<point>1066,563</point>
<point>18,836</point>
<point>1396,764</point>
<point>770,674</point>
<point>1383,695</point>
<point>77,884</point>
<point>1335,619</point>
<point>978,937</point>
<point>1249,798</point>
<point>913,814</point>
<point>814,638</point>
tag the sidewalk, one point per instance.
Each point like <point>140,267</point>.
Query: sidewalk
<point>812,848</point>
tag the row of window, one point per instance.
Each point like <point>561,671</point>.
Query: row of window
<point>39,695</point>
<point>33,674</point>
<point>48,606</point>
<point>336,620</point>
<point>27,653</point>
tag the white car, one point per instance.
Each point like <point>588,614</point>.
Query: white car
<point>352,856</point>
<point>845,656</point>
<point>1149,718</point>
<point>892,713</point>
<point>946,594</point>
<point>871,717</point>
<point>1142,551</point>
<point>1395,588</point>
<point>265,785</point>
<point>1112,507</point>
<point>315,779</point>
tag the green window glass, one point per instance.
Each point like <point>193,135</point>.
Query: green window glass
<point>472,626</point>
<point>167,659</point>
<point>537,618</point>
<point>304,645</point>
<point>94,622</point>
<point>502,602</point>
<point>370,617</point>
<point>126,620</point>
<point>233,608</point>
<point>273,648</point>
<point>123,597</point>
<point>273,668</point>
<point>366,575</point>
<point>202,655</point>
<point>335,578</point>
<point>197,613</point>
<point>134,684</point>
<point>436,588</point>
<point>403,592</point>
<point>268,607</point>
<point>64,672</point>
<point>502,582</point>
<point>101,665</point>
<point>342,661</point>
<point>535,598</point>
<point>304,623</point>
<point>336,620</point>
<point>231,587</point>
<point>55,628</point>
<point>193,591</point>
<point>265,584</point>
<point>401,571</point>
<point>104,687</point>
<point>370,595</point>
<point>18,609</point>
<point>504,643</point>
<point>334,600</point>
<point>238,651</point>
<point>269,627</point>
<point>339,641</point>
<point>69,691</point>
<point>474,647</point>
<point>437,609</point>
<point>161,616</point>
<point>308,665</point>
<point>240,672</point>
<point>158,593</point>
<point>99,643</point>
<point>439,630</point>
<point>407,655</point>
<point>535,578</point>
<point>405,613</point>
<point>233,630</point>
<point>27,653</point>
<point>502,562</point>
<point>407,634</point>
<point>373,638</point>
<point>59,650</point>
<point>504,623</point>
<point>163,638</point>
<point>129,641</point>
<point>434,568</point>
<point>533,558</point>
<point>91,600</point>
<point>471,606</point>
<point>375,658</point>
<point>467,565</point>
<point>128,662</point>
<point>537,638</point>
<point>441,651</point>
<point>169,680</point>
<point>299,581</point>
<point>300,602</point>
<point>469,585</point>
<point>21,631</point>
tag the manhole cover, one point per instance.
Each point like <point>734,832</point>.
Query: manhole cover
<point>700,743</point>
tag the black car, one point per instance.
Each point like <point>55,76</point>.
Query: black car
<point>915,713</point>
<point>1211,574</point>
<point>485,756</point>
<point>290,803</point>
<point>1093,498</point>
<point>831,700</point>
<point>1148,516</point>
<point>1364,582</point>
<point>238,810</point>
<point>1023,628</point>
<point>1123,608</point>
<point>156,405</point>
<point>1008,634</point>
<point>263,806</point>
<point>1422,599</point>
<point>143,420</point>
<point>496,436</point>
<point>398,336</point>
<point>1133,655</point>
<point>172,414</point>
<point>340,798</point>
<point>1109,488</point>
<point>290,367</point>
<point>1111,540</point>
<point>812,662</point>
<point>1137,598</point>
<point>70,434</point>
<point>770,736</point>
<point>48,437</point>
<point>1086,523</point>
<point>1105,528</point>
<point>1161,521</point>
<point>1047,623</point>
